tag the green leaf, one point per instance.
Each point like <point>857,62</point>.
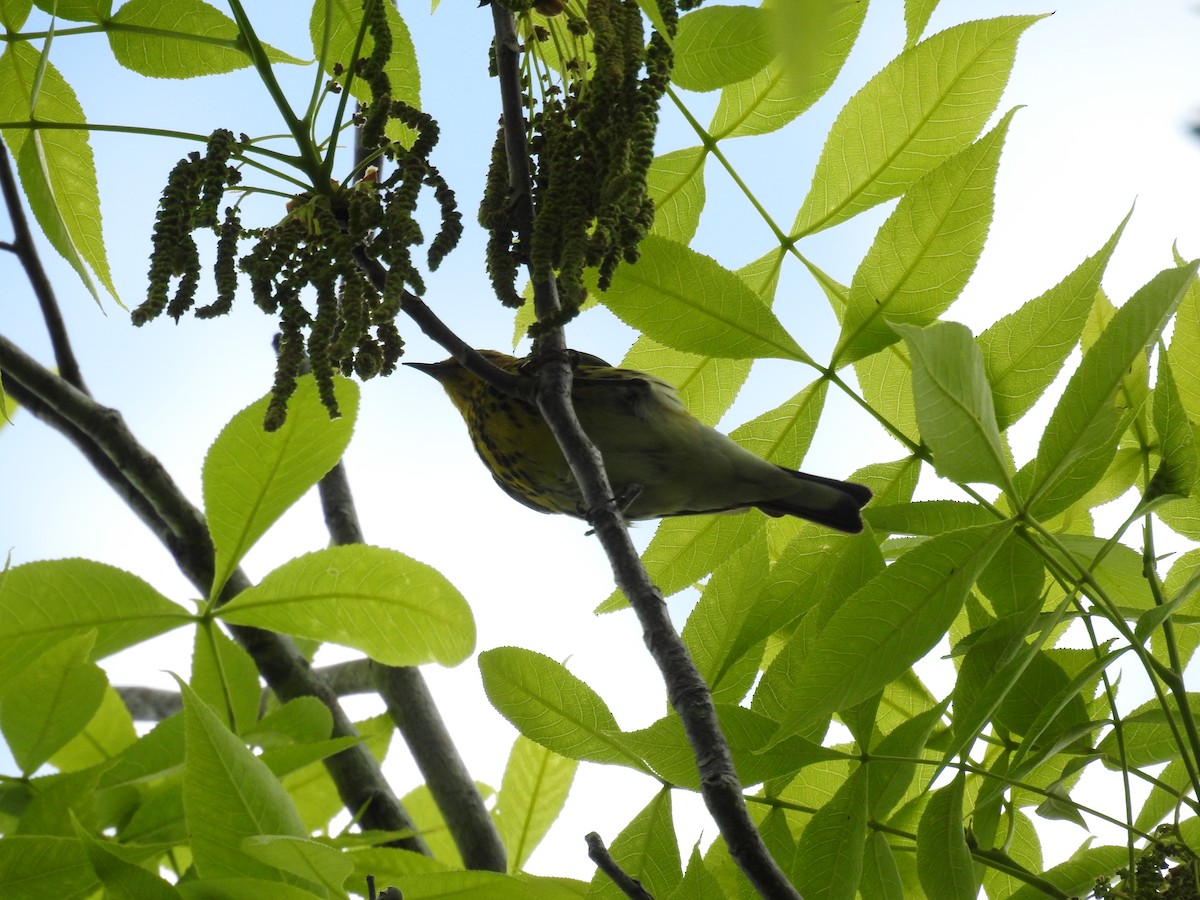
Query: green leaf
<point>706,385</point>
<point>467,886</point>
<point>431,824</point>
<point>51,701</point>
<point>1059,806</point>
<point>302,857</point>
<point>123,880</point>
<point>686,300</point>
<point>886,381</point>
<point>1014,578</point>
<point>180,39</point>
<point>926,517</point>
<point>891,482</point>
<point>815,574</point>
<point>532,794</point>
<point>925,106</point>
<point>880,876</point>
<point>345,21</point>
<point>13,13</point>
<point>1180,589</point>
<point>225,677</point>
<point>77,10</point>
<point>954,403</point>
<point>552,707</point>
<point>994,662</point>
<point>782,435</point>
<point>888,779</point>
<point>1078,874</point>
<point>45,603</point>
<point>1185,350</point>
<point>396,610</point>
<point>916,17</point>
<point>33,867</point>
<point>109,732</point>
<point>943,859</point>
<point>719,45</point>
<point>251,476</point>
<point>815,38</point>
<point>887,624</point>
<point>1024,351</point>
<point>1176,473</point>
<point>300,720</point>
<point>8,407</point>
<point>727,609</point>
<point>812,578</point>
<point>56,166</point>
<point>924,253</point>
<point>1084,426</point>
<point>244,889</point>
<point>645,849</point>
<point>1171,785</point>
<point>829,854</point>
<point>698,882</point>
<point>230,795</point>
<point>1147,735</point>
<point>675,182</point>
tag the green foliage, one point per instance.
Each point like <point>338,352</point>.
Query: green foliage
<point>925,787</point>
<point>251,477</point>
<point>57,169</point>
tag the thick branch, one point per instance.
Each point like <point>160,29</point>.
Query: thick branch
<point>131,468</point>
<point>412,708</point>
<point>686,689</point>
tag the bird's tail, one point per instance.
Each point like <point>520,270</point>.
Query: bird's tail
<point>826,501</point>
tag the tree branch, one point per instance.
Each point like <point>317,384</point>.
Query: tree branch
<point>412,708</point>
<point>629,885</point>
<point>686,689</point>
<point>129,467</point>
<point>26,251</point>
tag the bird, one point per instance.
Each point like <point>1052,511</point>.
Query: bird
<point>661,460</point>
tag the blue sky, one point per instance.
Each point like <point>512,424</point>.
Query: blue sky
<point>1109,90</point>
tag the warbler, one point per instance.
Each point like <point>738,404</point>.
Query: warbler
<point>660,459</point>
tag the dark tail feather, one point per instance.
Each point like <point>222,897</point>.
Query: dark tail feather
<point>826,501</point>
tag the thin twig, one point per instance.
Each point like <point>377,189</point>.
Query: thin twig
<point>412,708</point>
<point>686,689</point>
<point>629,885</point>
<point>25,249</point>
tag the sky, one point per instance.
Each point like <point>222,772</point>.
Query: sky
<point>1108,89</point>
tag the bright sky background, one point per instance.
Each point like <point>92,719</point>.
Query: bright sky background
<point>1109,89</point>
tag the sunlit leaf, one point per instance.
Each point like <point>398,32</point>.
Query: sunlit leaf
<point>926,105</point>
<point>954,403</point>
<point>532,793</point>
<point>686,300</point>
<point>396,610</point>
<point>252,476</point>
<point>719,45</point>
<point>551,706</point>
<point>1024,351</point>
<point>1086,422</point>
<point>887,625</point>
<point>56,165</point>
<point>924,253</point>
<point>182,39</point>
<point>45,603</point>
<point>943,859</point>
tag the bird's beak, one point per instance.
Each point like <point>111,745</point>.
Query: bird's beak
<point>434,370</point>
